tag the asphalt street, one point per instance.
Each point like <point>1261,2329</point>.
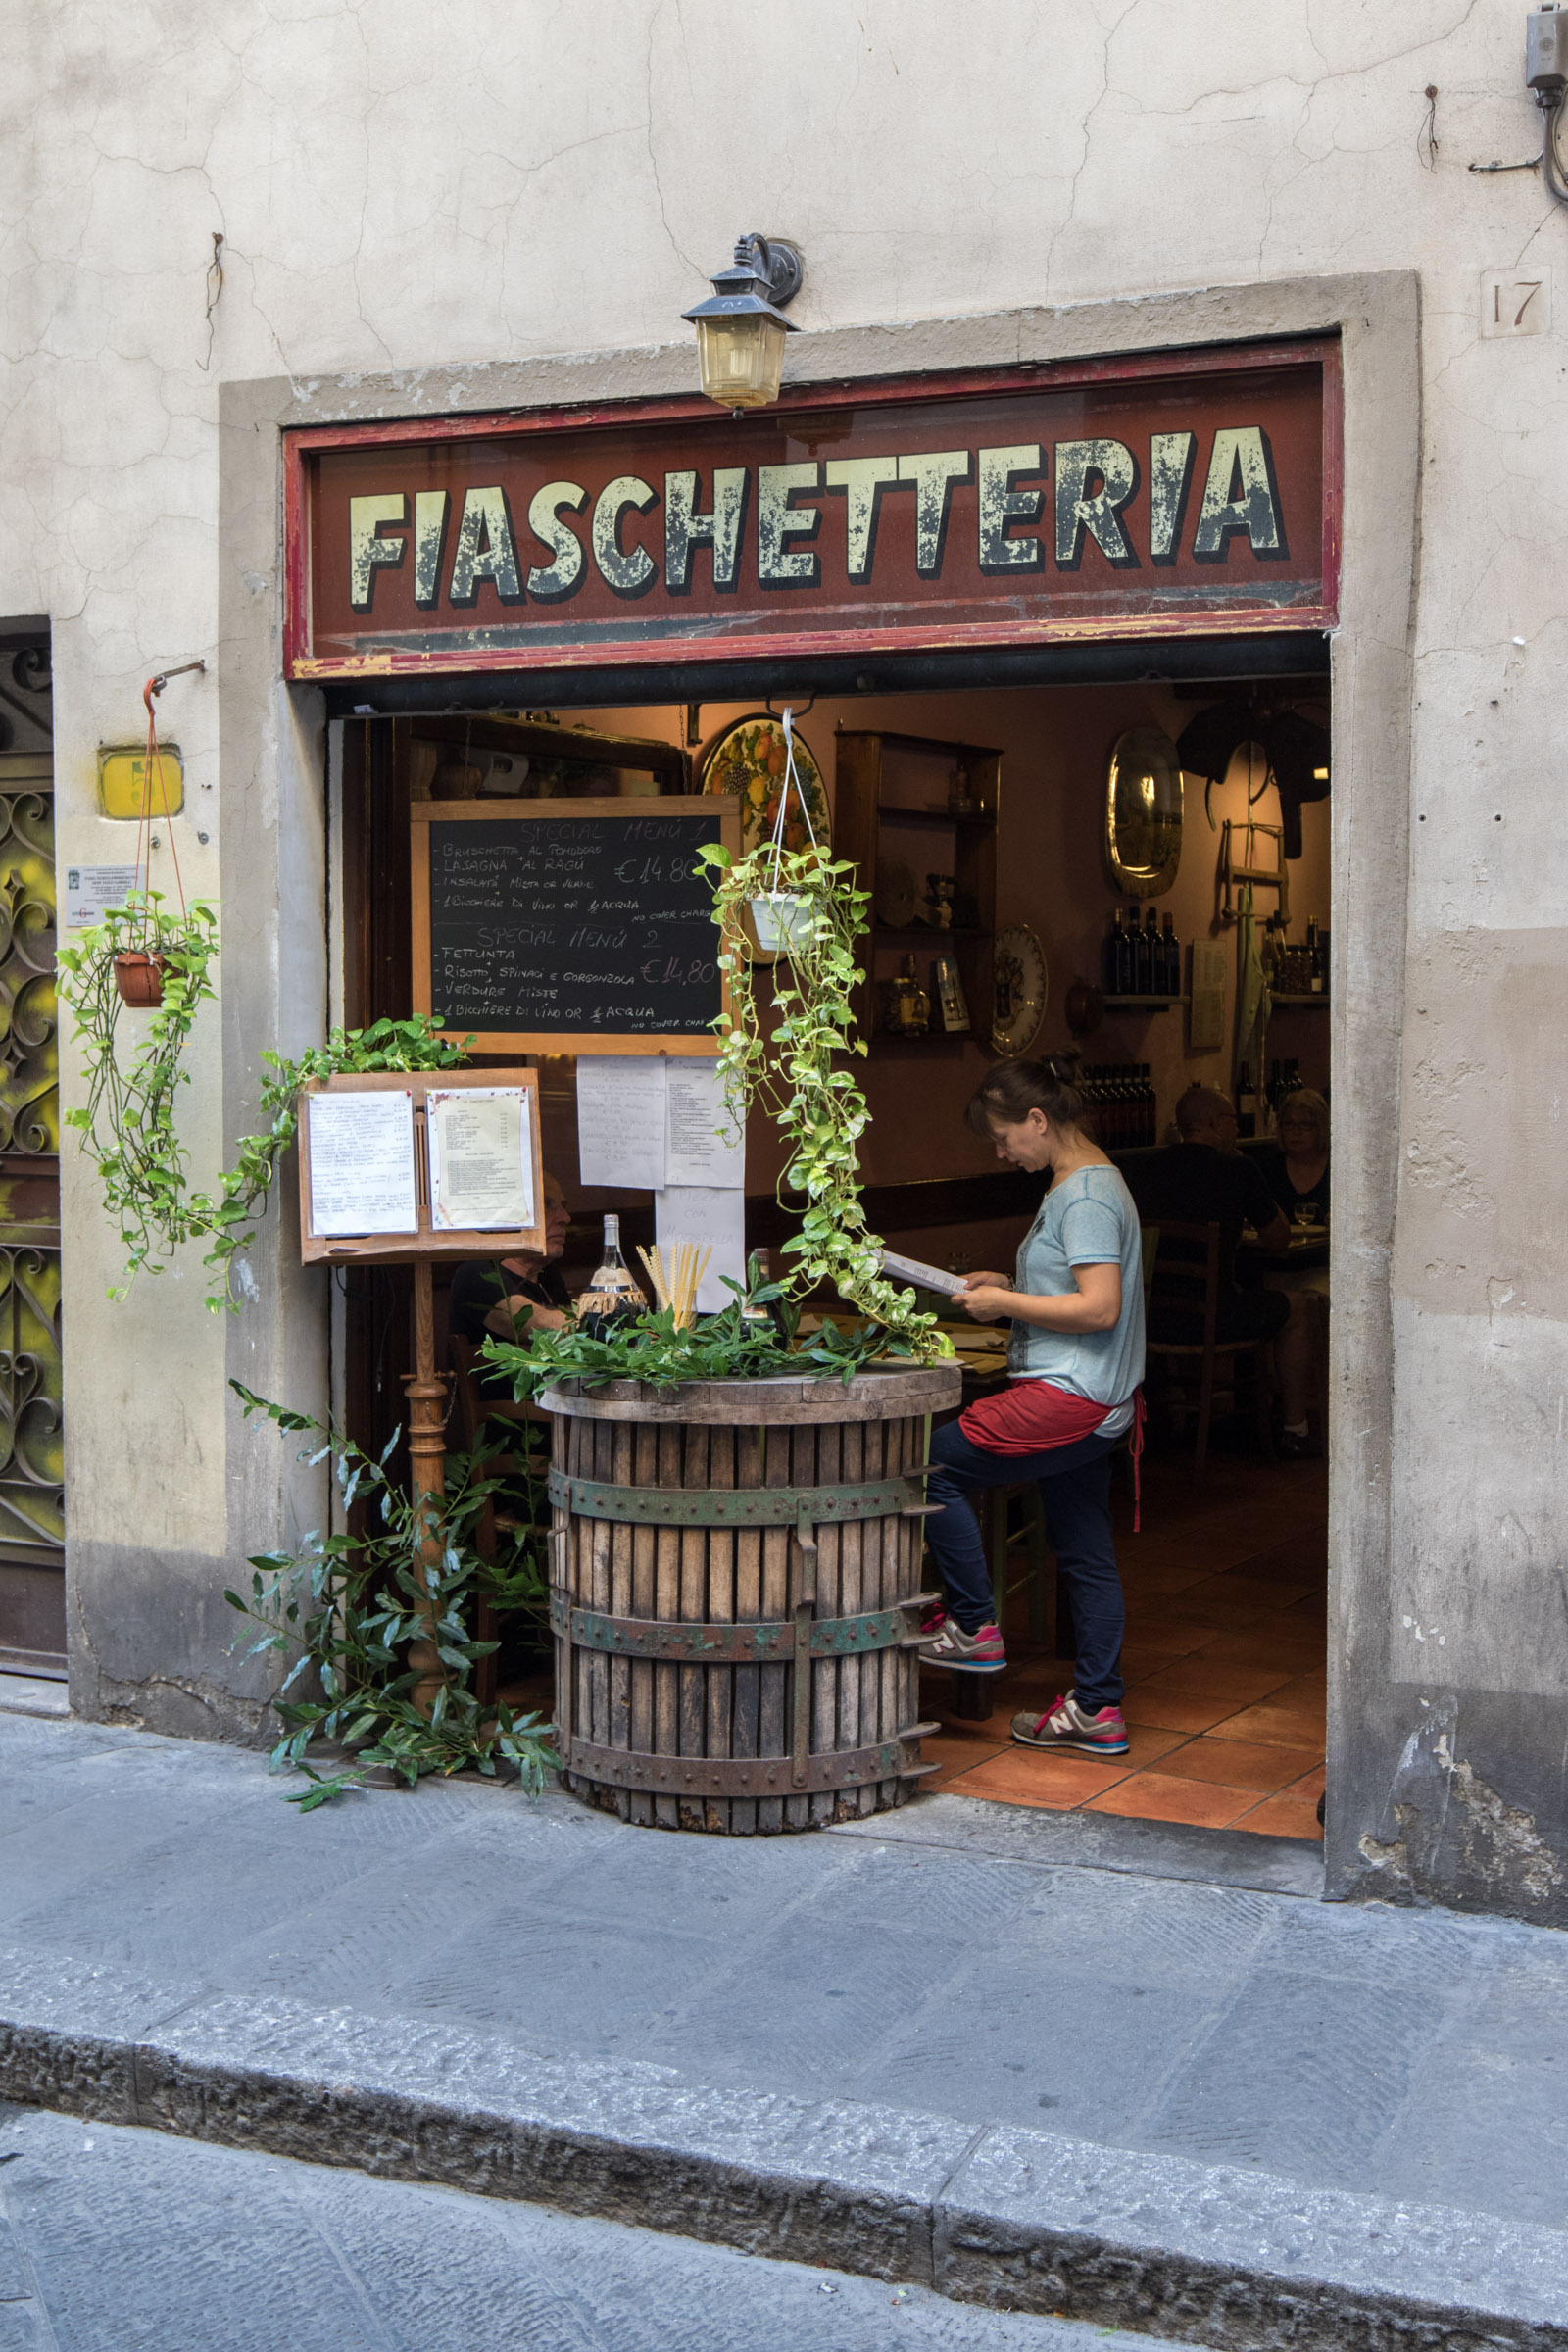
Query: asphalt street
<point>115,2240</point>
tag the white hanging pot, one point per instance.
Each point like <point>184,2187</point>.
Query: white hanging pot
<point>782,921</point>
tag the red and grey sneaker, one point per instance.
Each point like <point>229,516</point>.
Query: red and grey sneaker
<point>1064,1724</point>
<point>970,1653</point>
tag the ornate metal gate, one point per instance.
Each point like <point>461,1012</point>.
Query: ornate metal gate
<point>32,1582</point>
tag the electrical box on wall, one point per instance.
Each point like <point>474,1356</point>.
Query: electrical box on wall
<point>127,789</point>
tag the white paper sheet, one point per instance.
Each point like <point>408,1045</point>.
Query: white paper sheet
<point>704,1214</point>
<point>480,1142</point>
<point>620,1120</point>
<point>695,1152</point>
<point>361,1163</point>
<point>925,1278</point>
<point>91,890</point>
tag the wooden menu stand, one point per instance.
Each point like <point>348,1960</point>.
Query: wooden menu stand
<point>429,1401</point>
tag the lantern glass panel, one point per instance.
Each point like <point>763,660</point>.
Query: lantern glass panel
<point>741,359</point>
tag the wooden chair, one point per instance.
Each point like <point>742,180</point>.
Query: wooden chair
<point>481,1420</point>
<point>1190,1286</point>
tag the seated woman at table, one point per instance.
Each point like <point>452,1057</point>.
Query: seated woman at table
<point>515,1296</point>
<point>1076,1358</point>
<point>1295,1169</point>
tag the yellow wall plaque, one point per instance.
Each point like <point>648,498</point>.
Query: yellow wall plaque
<point>125,790</point>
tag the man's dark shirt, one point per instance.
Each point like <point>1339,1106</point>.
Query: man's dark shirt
<point>1193,1184</point>
<point>478,1286</point>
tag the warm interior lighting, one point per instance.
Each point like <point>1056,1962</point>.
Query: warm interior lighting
<point>741,359</point>
<point>741,327</point>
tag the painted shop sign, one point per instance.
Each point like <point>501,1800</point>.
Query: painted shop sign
<point>1189,493</point>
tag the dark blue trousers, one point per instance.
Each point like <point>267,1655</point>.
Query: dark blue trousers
<point>1075,1490</point>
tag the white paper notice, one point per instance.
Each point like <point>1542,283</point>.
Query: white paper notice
<point>695,1152</point>
<point>91,890</point>
<point>361,1163</point>
<point>620,1120</point>
<point>480,1142</point>
<point>704,1214</point>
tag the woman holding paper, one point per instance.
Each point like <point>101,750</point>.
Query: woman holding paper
<point>1076,1359</point>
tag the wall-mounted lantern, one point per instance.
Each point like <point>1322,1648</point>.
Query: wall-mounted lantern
<point>741,327</point>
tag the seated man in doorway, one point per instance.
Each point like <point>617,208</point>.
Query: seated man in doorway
<point>1203,1180</point>
<point>512,1296</point>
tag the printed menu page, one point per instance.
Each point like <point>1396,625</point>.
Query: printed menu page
<point>480,1142</point>
<point>701,1145</point>
<point>620,1120</point>
<point>361,1163</point>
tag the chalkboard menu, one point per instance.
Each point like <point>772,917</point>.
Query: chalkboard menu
<point>569,926</point>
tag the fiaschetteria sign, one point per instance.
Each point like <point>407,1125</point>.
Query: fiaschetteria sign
<point>1192,493</point>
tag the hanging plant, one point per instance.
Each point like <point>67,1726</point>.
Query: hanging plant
<point>128,1123</point>
<point>797,1072</point>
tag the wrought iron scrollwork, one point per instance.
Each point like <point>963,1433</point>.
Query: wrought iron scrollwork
<point>30,1061</point>
<point>32,1491</point>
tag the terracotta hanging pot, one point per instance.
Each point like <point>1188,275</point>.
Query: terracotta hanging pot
<point>139,978</point>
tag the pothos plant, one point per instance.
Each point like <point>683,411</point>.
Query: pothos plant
<point>348,1604</point>
<point>128,1123</point>
<point>796,1069</point>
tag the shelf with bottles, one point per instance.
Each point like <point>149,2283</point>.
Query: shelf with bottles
<point>1141,959</point>
<point>1120,1099</point>
<point>888,789</point>
<point>1149,1004</point>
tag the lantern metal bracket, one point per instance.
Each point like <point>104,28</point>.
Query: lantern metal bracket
<point>764,276</point>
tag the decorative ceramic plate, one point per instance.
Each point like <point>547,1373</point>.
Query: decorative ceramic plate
<point>895,900</point>
<point>1021,988</point>
<point>749,759</point>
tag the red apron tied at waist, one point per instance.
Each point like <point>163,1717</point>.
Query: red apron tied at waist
<point>1030,1416</point>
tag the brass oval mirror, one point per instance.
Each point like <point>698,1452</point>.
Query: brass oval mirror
<point>1143,812</point>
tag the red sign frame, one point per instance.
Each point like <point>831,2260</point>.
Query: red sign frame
<point>1308,600</point>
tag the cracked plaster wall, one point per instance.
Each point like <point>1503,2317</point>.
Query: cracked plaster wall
<point>400,186</point>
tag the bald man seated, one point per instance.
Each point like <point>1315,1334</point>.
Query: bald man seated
<point>1203,1180</point>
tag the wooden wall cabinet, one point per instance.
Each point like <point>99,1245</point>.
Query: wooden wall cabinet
<point>891,802</point>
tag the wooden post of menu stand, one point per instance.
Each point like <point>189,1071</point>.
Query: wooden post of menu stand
<point>428,1406</point>
<point>428,1402</point>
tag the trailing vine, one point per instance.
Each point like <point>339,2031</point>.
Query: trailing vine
<point>229,1220</point>
<point>795,1071</point>
<point>128,1122</point>
<point>347,1605</point>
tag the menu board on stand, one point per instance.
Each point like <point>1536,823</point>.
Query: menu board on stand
<point>408,1167</point>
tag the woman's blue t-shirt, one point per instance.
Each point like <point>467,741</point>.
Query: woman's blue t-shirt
<point>1086,1219</point>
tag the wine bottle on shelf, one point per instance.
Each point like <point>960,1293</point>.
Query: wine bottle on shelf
<point>1110,957</point>
<point>1150,1135</point>
<point>1170,948</point>
<point>1126,959</point>
<point>1245,1102</point>
<point>1315,981</point>
<point>612,1296</point>
<point>1276,1090</point>
<point>1156,954</point>
<point>1143,966</point>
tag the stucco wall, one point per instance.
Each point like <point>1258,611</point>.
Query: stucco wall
<point>409,188</point>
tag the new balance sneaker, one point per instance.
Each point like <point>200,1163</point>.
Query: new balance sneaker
<point>1064,1724</point>
<point>972,1653</point>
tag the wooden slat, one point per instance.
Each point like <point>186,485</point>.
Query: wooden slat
<point>773,1711</point>
<point>620,1575</point>
<point>746,1703</point>
<point>803,1473</point>
<point>720,1611</point>
<point>644,1463</point>
<point>851,1593</point>
<point>693,1610</point>
<point>666,1587</point>
<point>828,1672</point>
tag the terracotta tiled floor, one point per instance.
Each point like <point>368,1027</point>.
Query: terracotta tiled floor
<point>1224,1661</point>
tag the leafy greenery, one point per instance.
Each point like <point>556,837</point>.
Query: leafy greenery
<point>128,1123</point>
<point>348,1604</point>
<point>229,1220</point>
<point>795,1071</point>
<point>729,1345</point>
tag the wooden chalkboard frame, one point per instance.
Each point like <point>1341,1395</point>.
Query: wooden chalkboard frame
<point>723,811</point>
<point>427,1245</point>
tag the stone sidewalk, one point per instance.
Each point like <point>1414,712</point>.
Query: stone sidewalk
<point>1032,2060</point>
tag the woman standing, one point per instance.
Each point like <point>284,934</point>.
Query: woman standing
<point>1076,1359</point>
